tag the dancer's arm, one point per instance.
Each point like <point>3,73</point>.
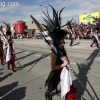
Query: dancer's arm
<point>4,45</point>
<point>53,62</point>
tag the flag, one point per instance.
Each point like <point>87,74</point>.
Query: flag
<point>8,53</point>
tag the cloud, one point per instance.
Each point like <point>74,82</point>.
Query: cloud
<point>14,14</point>
<point>72,10</point>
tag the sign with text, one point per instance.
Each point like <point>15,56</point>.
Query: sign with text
<point>85,18</point>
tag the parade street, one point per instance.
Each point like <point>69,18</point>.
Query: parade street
<point>33,68</point>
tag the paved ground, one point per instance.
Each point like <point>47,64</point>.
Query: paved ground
<point>33,56</point>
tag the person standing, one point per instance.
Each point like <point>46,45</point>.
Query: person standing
<point>60,71</point>
<point>72,39</point>
<point>58,68</point>
<point>10,50</point>
<point>71,36</point>
<point>94,40</point>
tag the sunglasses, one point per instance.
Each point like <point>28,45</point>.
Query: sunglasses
<point>62,42</point>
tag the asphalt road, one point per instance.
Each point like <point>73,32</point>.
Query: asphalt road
<point>33,55</point>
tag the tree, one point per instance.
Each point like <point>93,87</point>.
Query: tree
<point>96,19</point>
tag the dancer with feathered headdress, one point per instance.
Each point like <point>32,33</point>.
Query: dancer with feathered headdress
<point>59,60</point>
<point>10,49</point>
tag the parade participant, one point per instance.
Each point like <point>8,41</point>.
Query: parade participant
<point>71,36</point>
<point>10,50</point>
<point>59,70</point>
<point>58,76</point>
<point>1,51</point>
<point>94,40</point>
<point>72,33</point>
<point>58,67</point>
<point>72,40</point>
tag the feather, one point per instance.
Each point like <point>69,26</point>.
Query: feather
<point>54,11</point>
<point>55,18</point>
<point>49,19</point>
<point>67,23</point>
<point>48,24</point>
<point>47,28</point>
<point>60,14</point>
<point>70,25</point>
<point>7,25</point>
<point>1,26</point>
<point>8,31</point>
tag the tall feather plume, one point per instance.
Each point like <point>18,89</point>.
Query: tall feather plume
<point>49,21</point>
<point>7,25</point>
<point>55,18</point>
<point>57,21</point>
<point>53,25</point>
<point>60,15</point>
<point>54,12</point>
<point>8,31</point>
<point>70,25</point>
<point>48,25</point>
<point>47,28</point>
<point>1,27</point>
<point>67,23</point>
<point>52,22</point>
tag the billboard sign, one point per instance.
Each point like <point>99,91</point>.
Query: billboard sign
<point>85,18</point>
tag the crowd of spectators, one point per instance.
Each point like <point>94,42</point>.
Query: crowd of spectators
<point>85,31</point>
<point>80,31</point>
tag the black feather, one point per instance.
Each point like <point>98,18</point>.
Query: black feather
<point>48,24</point>
<point>67,23</point>
<point>49,19</point>
<point>70,25</point>
<point>52,22</point>
<point>8,31</point>
<point>60,15</point>
<point>54,12</point>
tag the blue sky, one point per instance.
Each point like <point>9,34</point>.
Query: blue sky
<point>31,7</point>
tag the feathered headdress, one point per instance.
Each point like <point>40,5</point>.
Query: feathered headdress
<point>8,30</point>
<point>53,26</point>
<point>55,33</point>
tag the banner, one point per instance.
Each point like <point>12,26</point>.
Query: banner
<point>85,18</point>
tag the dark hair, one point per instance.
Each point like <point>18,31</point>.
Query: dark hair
<point>8,33</point>
<point>57,36</point>
<point>63,50</point>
